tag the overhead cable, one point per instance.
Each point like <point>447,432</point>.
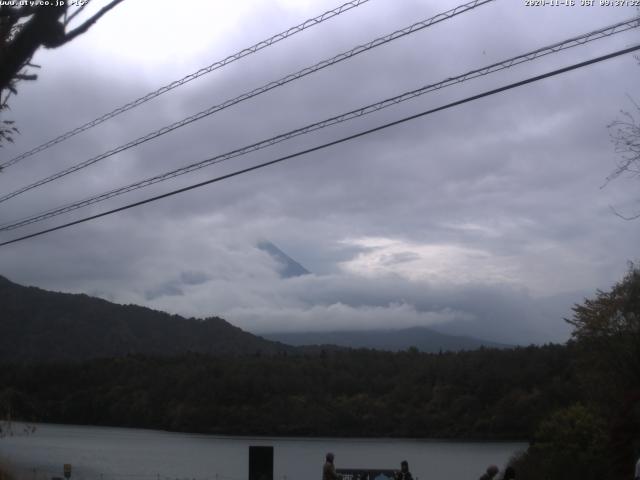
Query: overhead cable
<point>495,67</point>
<point>255,92</point>
<point>192,76</point>
<point>335,142</point>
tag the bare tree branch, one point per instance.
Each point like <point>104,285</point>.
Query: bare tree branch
<point>26,76</point>
<point>86,25</point>
<point>78,10</point>
<point>624,217</point>
<point>23,30</point>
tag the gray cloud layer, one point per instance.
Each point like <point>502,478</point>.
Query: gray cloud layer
<point>485,219</point>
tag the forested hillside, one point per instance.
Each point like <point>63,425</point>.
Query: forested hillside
<point>38,325</point>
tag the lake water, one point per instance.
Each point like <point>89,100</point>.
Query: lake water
<point>131,454</point>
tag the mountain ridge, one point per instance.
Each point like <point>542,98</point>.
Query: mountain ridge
<point>41,325</point>
<point>422,338</point>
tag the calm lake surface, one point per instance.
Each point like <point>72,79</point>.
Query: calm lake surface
<point>131,454</point>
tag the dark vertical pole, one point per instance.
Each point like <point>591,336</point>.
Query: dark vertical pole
<point>260,463</point>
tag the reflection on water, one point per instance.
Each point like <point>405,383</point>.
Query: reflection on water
<point>131,454</point>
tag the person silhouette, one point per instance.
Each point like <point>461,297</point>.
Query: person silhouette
<point>404,473</point>
<point>491,472</point>
<point>329,469</point>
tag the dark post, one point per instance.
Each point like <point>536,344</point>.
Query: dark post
<point>260,463</point>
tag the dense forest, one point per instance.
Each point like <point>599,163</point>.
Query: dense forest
<point>483,394</point>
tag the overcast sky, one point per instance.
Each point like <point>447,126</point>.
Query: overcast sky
<point>487,219</point>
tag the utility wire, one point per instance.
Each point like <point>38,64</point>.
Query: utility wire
<point>540,52</point>
<point>335,142</point>
<point>265,88</point>
<point>177,83</point>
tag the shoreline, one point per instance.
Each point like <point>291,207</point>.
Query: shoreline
<point>309,438</point>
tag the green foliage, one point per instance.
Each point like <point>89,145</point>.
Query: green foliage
<point>596,439</point>
<point>497,394</point>
<point>607,332</point>
<point>607,336</point>
<point>571,443</point>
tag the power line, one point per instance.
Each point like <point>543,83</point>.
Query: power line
<point>529,56</point>
<point>177,83</point>
<point>253,93</point>
<point>335,142</point>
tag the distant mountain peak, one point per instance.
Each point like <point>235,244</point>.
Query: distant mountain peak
<point>288,267</point>
<point>423,338</point>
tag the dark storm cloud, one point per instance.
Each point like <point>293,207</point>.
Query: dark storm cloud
<point>168,289</point>
<point>194,278</point>
<point>175,287</point>
<point>504,192</point>
<point>401,257</point>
